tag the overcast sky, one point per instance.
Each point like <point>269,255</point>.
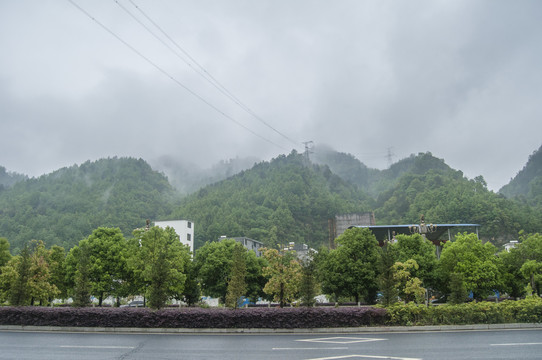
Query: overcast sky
<point>461,79</point>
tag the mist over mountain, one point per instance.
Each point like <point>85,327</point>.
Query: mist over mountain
<point>187,177</point>
<point>8,178</point>
<point>289,198</point>
<point>64,206</point>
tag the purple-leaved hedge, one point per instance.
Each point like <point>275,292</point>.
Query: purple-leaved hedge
<point>270,318</point>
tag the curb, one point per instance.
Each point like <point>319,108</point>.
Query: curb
<point>349,330</point>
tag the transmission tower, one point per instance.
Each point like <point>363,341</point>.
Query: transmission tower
<point>390,156</point>
<point>308,150</point>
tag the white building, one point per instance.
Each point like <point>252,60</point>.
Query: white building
<point>183,228</point>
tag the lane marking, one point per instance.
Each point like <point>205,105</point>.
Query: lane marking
<point>342,340</point>
<point>312,348</point>
<point>517,344</point>
<point>365,357</point>
<point>95,347</point>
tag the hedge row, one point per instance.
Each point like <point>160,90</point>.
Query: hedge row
<point>528,310</point>
<point>285,318</point>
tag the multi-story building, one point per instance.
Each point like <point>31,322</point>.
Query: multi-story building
<point>183,228</point>
<point>248,243</point>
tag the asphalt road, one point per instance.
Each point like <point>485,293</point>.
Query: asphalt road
<point>503,344</point>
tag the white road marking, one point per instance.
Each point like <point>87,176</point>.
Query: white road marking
<point>365,357</point>
<point>341,340</point>
<point>312,348</point>
<point>95,347</point>
<point>516,344</point>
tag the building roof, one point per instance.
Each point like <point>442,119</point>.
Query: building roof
<point>383,232</point>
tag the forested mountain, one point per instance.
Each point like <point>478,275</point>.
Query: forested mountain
<point>8,179</point>
<point>65,206</point>
<point>374,181</point>
<point>275,202</point>
<point>187,178</point>
<point>526,186</point>
<point>283,200</point>
<point>451,198</point>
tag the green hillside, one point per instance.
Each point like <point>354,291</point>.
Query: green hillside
<point>286,199</point>
<point>274,202</point>
<point>526,186</point>
<point>8,179</point>
<point>374,181</point>
<point>65,206</point>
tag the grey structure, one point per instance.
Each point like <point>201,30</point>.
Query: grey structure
<point>340,223</point>
<point>248,243</point>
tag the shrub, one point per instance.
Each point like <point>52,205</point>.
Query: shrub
<point>509,311</point>
<point>284,318</point>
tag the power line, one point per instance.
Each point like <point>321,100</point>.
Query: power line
<point>202,71</point>
<point>156,66</point>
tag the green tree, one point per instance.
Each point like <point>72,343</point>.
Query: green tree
<point>79,259</point>
<point>40,285</point>
<point>387,281</point>
<point>162,260</point>
<point>409,287</point>
<point>458,292</point>
<point>19,289</point>
<point>309,286</point>
<point>255,279</point>
<point>107,248</point>
<point>192,291</point>
<point>475,262</point>
<point>284,273</point>
<point>214,261</point>
<point>532,271</point>
<point>236,284</point>
<point>5,255</point>
<point>422,251</point>
<point>352,268</point>
<point>57,268</point>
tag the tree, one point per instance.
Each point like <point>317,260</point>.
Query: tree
<point>255,279</point>
<point>476,262</point>
<point>19,289</point>
<point>214,261</point>
<point>40,285</point>
<point>236,284</point>
<point>80,258</point>
<point>309,284</point>
<point>162,260</point>
<point>57,268</point>
<point>529,249</point>
<point>284,273</point>
<point>532,271</point>
<point>192,291</point>
<point>458,292</point>
<point>409,287</point>
<point>5,255</point>
<point>387,281</point>
<point>422,251</point>
<point>107,248</point>
<point>352,268</point>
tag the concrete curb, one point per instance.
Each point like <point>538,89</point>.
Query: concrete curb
<point>347,330</point>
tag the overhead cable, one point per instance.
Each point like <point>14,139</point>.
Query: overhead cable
<point>202,71</point>
<point>164,72</point>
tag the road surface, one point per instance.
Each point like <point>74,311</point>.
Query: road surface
<point>502,344</point>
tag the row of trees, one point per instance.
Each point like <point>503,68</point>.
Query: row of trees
<point>155,264</point>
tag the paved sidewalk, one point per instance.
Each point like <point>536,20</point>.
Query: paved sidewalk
<point>347,330</point>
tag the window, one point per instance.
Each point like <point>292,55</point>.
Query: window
<point>188,237</point>
<point>189,225</point>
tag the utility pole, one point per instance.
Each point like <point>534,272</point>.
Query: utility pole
<point>308,151</point>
